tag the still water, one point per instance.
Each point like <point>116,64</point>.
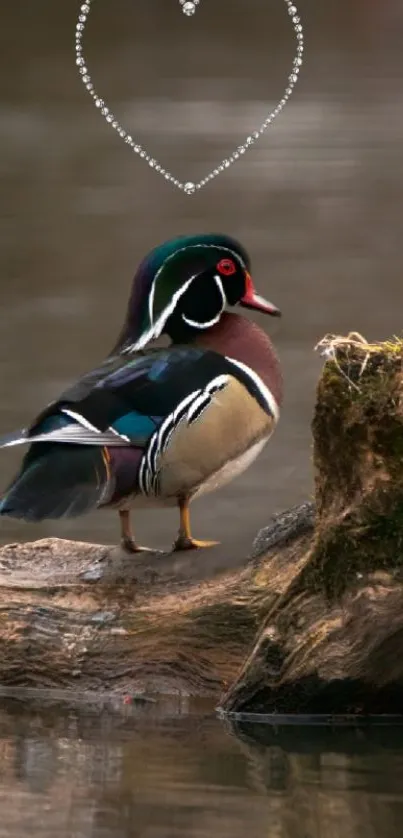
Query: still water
<point>174,772</point>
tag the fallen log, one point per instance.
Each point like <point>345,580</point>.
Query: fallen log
<point>313,622</point>
<point>87,617</point>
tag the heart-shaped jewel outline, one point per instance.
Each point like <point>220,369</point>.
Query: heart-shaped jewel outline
<point>189,187</point>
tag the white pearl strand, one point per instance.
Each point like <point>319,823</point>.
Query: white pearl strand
<point>189,188</point>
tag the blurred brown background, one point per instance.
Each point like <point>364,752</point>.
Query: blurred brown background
<point>317,201</point>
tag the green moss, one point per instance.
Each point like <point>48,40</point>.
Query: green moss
<point>358,458</point>
<point>370,539</point>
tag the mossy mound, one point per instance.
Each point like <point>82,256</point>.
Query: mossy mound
<point>358,459</point>
<point>332,642</point>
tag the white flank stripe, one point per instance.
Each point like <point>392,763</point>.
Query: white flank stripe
<point>203,400</point>
<point>161,431</point>
<point>184,403</point>
<point>217,383</point>
<point>149,466</point>
<point>265,392</point>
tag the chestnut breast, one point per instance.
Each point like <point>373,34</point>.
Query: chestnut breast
<point>244,341</point>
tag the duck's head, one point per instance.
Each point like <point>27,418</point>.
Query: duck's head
<point>183,287</point>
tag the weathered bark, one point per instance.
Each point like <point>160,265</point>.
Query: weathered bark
<point>312,623</point>
<point>87,618</point>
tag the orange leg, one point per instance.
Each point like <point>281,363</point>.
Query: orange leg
<point>127,537</point>
<point>184,540</point>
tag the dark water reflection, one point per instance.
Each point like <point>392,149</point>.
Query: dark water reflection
<point>170,772</point>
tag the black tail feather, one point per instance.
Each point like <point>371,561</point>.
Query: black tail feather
<point>57,481</point>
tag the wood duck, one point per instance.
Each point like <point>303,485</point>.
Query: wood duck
<point>160,426</point>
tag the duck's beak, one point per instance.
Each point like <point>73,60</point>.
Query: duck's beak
<point>253,300</point>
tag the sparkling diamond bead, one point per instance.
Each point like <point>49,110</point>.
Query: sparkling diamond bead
<point>189,8</point>
<point>189,187</point>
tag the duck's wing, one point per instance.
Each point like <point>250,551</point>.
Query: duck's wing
<point>126,400</point>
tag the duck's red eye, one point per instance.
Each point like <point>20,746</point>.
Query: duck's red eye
<point>226,267</point>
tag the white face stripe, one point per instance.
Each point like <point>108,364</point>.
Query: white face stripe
<point>195,325</point>
<point>154,331</point>
<point>264,391</point>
